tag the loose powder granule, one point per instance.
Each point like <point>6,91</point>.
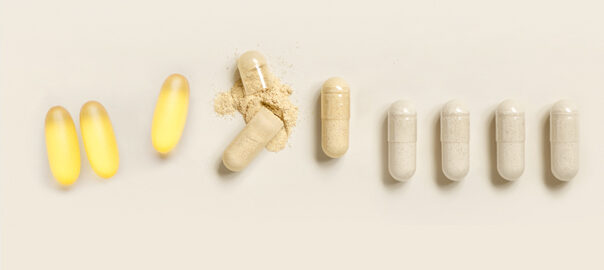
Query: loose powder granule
<point>275,98</point>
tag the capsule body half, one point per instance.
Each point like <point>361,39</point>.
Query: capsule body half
<point>99,139</point>
<point>170,113</point>
<point>335,117</point>
<point>254,72</point>
<point>510,139</point>
<point>251,140</point>
<point>402,140</point>
<point>455,140</point>
<point>564,140</point>
<point>62,146</point>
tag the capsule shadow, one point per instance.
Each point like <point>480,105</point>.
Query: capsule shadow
<point>387,179</point>
<point>320,156</point>
<point>163,156</point>
<point>225,173</point>
<point>551,182</point>
<point>496,179</point>
<point>441,180</point>
<point>236,75</point>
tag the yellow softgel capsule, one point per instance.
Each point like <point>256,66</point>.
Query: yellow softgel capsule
<point>170,113</point>
<point>62,146</point>
<point>99,140</point>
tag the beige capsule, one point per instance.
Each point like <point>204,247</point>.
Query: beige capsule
<point>455,140</point>
<point>510,137</point>
<point>335,117</point>
<point>564,140</point>
<point>251,140</point>
<point>402,139</point>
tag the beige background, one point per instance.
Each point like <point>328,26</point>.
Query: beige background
<point>296,209</point>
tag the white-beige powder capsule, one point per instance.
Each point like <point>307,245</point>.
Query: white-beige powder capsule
<point>510,136</point>
<point>402,139</point>
<point>455,140</point>
<point>564,140</point>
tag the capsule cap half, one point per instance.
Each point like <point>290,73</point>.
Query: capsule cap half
<point>335,85</point>
<point>250,60</point>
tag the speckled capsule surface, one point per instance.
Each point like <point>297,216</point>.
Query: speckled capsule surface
<point>62,146</point>
<point>170,113</point>
<point>251,140</point>
<point>402,139</point>
<point>510,139</point>
<point>455,140</point>
<point>335,117</point>
<point>254,72</point>
<point>99,139</point>
<point>564,139</point>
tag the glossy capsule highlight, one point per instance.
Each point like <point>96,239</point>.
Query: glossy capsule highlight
<point>62,146</point>
<point>251,140</point>
<point>254,72</point>
<point>402,139</point>
<point>564,140</point>
<point>455,140</point>
<point>335,117</point>
<point>170,113</point>
<point>99,139</point>
<point>510,137</point>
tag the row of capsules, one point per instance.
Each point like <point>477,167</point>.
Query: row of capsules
<point>62,145</point>
<point>510,140</point>
<point>172,107</point>
<point>454,135</point>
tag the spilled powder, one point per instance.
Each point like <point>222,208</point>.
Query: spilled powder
<point>275,98</point>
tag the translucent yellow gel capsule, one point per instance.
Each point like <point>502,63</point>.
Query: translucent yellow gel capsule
<point>99,140</point>
<point>62,146</point>
<point>170,113</point>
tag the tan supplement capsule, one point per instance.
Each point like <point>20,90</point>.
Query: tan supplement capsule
<point>335,117</point>
<point>509,122</point>
<point>564,139</point>
<point>254,72</point>
<point>251,140</point>
<point>455,140</point>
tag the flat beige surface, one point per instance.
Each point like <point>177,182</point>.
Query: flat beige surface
<point>296,209</point>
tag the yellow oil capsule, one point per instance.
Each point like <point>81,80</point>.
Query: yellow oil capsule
<point>62,146</point>
<point>99,140</point>
<point>170,113</point>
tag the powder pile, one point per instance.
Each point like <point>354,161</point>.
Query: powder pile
<point>275,98</point>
